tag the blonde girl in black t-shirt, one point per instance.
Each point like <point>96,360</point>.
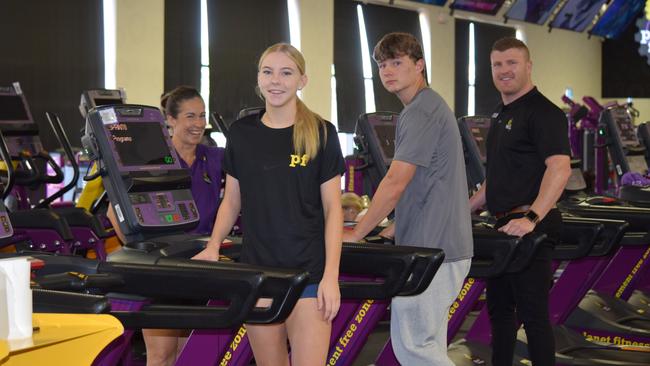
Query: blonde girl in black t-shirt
<point>284,170</point>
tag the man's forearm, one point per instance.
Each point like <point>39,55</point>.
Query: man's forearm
<point>383,202</point>
<point>553,182</point>
<point>478,199</point>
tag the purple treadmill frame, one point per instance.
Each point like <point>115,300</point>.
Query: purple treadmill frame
<point>577,278</point>
<point>625,272</point>
<point>120,348</point>
<point>350,330</point>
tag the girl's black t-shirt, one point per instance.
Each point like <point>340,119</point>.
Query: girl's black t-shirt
<point>282,212</point>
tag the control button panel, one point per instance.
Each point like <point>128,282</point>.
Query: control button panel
<point>164,208</point>
<point>6,230</point>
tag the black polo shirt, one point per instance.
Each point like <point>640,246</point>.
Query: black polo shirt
<point>522,135</point>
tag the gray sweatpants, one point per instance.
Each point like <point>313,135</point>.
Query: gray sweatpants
<point>418,324</point>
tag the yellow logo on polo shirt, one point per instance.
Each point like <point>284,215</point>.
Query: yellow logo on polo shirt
<point>509,124</point>
<point>297,159</point>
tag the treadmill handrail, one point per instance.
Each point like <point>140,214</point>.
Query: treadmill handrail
<point>577,239</point>
<point>50,301</point>
<point>60,134</point>
<point>6,157</point>
<point>44,177</point>
<point>404,269</point>
<point>493,252</point>
<point>206,280</point>
<point>526,251</point>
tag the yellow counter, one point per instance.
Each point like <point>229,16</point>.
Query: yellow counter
<point>62,339</point>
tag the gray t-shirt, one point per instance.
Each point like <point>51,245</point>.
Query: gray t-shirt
<point>433,211</point>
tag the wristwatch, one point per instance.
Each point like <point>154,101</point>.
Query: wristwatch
<point>532,216</point>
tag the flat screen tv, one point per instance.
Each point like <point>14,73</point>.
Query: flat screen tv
<point>532,11</point>
<point>577,15</point>
<point>490,7</point>
<point>618,16</point>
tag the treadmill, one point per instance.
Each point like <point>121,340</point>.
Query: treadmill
<point>627,152</point>
<point>151,197</point>
<point>7,234</point>
<point>625,272</point>
<point>93,197</point>
<point>125,290</point>
<point>45,229</point>
<point>572,353</point>
<point>494,252</point>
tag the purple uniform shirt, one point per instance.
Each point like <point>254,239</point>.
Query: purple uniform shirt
<point>206,185</point>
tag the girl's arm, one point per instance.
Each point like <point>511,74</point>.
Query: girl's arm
<point>226,217</point>
<point>329,296</point>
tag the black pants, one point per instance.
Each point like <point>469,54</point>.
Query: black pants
<point>523,297</point>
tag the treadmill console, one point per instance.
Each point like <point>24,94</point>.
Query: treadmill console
<point>375,133</point>
<point>6,230</point>
<point>474,131</point>
<point>479,126</point>
<point>17,123</point>
<point>99,97</point>
<point>146,185</point>
<point>626,151</point>
<point>624,126</point>
<point>643,133</point>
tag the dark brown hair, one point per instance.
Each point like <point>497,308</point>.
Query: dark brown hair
<point>171,101</point>
<point>397,44</point>
<point>507,43</point>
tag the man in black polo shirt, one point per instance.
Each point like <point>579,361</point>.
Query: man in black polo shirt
<point>528,166</point>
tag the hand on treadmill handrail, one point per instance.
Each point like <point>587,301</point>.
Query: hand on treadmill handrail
<point>210,253</point>
<point>350,237</point>
<point>518,227</point>
<point>388,232</point>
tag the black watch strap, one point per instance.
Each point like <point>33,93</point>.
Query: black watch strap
<point>532,216</point>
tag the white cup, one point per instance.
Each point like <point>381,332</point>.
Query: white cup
<point>15,298</point>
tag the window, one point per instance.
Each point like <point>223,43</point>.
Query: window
<point>475,92</point>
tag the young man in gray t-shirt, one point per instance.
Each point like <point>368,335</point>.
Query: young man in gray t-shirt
<point>427,187</point>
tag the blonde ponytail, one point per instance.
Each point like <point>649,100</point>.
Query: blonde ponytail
<point>306,139</point>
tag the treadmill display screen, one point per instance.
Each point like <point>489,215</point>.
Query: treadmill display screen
<point>478,6</point>
<point>12,109</point>
<point>533,11</point>
<point>479,129</point>
<point>577,15</point>
<point>140,143</point>
<point>106,101</point>
<point>383,128</point>
<point>624,126</point>
<point>386,138</point>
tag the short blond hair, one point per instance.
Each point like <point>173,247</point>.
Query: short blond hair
<point>351,199</point>
<point>507,43</point>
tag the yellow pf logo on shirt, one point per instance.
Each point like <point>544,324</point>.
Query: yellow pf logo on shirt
<point>298,160</point>
<point>509,124</point>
